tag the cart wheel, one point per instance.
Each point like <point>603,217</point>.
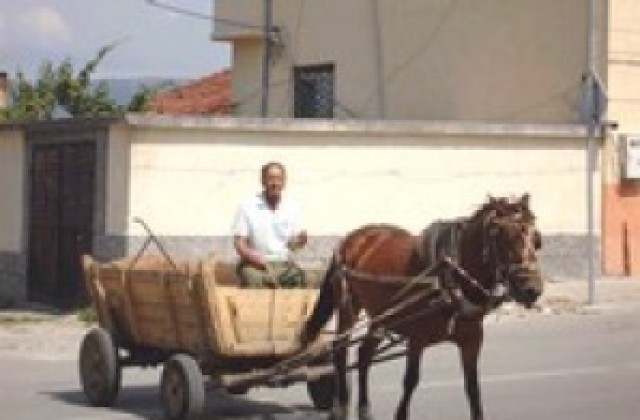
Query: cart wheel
<point>182,388</point>
<point>100,371</point>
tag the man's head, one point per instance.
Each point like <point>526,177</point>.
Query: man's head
<point>274,178</point>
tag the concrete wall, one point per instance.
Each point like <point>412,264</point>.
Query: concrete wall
<point>491,60</point>
<point>185,177</point>
<point>621,212</point>
<point>188,175</point>
<point>12,247</point>
<point>624,64</point>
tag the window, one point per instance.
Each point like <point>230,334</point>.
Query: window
<point>313,91</point>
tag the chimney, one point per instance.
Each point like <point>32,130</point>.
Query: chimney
<point>4,86</point>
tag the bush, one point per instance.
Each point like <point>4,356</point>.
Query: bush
<point>87,315</point>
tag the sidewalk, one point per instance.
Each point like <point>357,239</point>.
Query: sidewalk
<point>560,296</point>
<point>571,296</point>
<point>36,333</point>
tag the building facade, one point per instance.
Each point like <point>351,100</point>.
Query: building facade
<point>515,62</point>
<point>420,109</point>
<point>491,60</point>
<point>76,187</point>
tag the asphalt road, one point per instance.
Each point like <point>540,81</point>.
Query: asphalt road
<point>551,367</point>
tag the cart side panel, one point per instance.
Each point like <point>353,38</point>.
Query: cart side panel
<point>166,313</point>
<point>290,310</point>
<point>90,268</point>
<point>259,322</point>
<point>114,313</point>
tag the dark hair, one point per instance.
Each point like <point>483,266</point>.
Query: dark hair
<point>269,165</point>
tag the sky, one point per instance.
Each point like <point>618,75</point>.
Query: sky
<point>152,42</point>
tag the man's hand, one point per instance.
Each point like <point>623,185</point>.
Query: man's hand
<point>298,241</point>
<point>247,254</point>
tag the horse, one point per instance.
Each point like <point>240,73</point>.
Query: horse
<point>493,259</point>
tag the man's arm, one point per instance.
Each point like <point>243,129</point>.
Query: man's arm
<point>248,254</point>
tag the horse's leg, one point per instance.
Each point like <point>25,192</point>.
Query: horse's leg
<point>470,354</point>
<point>411,378</point>
<point>365,355</point>
<point>346,319</point>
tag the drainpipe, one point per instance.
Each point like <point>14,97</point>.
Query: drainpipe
<point>379,58</point>
<point>266,56</point>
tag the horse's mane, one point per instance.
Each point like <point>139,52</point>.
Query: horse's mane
<point>503,207</point>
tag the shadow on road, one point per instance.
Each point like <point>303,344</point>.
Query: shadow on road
<point>144,402</point>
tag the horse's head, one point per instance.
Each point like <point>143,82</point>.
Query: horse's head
<point>509,243</point>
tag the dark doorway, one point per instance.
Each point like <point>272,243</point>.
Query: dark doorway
<point>61,209</point>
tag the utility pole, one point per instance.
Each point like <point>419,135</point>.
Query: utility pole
<point>266,56</point>
<point>593,121</point>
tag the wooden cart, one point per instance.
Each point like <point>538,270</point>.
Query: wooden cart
<point>193,318</point>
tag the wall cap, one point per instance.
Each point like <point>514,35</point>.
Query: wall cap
<point>363,127</point>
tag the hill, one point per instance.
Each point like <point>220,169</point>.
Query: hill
<point>122,90</point>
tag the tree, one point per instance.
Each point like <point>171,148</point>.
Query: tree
<point>75,93</point>
<point>32,101</point>
<point>60,86</point>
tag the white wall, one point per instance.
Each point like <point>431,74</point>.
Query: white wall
<point>187,175</point>
<point>117,179</point>
<point>624,69</point>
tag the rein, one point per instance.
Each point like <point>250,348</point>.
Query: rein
<point>442,296</point>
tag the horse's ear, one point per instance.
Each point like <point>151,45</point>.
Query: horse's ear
<point>491,199</point>
<point>525,200</point>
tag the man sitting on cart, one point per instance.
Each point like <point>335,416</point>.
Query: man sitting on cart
<point>266,232</point>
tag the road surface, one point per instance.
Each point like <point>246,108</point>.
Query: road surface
<point>553,367</point>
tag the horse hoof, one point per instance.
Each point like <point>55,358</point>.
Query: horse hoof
<point>364,413</point>
<point>338,413</point>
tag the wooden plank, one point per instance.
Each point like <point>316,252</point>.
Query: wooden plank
<point>196,290</point>
<point>167,280</point>
<point>129,310</point>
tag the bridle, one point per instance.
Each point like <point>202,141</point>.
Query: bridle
<point>506,271</point>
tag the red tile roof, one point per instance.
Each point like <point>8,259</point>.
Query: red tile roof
<point>210,95</point>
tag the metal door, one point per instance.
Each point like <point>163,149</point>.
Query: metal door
<point>60,221</point>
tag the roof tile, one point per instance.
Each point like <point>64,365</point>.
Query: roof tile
<point>209,95</point>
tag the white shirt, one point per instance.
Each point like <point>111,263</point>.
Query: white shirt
<point>267,230</point>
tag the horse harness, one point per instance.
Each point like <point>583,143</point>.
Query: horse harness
<point>440,282</point>
<point>437,247</point>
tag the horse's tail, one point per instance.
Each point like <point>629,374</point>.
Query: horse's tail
<point>324,306</point>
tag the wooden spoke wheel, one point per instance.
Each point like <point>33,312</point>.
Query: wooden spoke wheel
<point>182,388</point>
<point>100,371</point>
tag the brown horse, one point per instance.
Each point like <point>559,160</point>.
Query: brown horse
<point>494,252</point>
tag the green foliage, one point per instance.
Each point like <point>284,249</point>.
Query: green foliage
<point>60,86</point>
<point>141,99</point>
<point>32,101</point>
<point>87,315</point>
<point>74,92</point>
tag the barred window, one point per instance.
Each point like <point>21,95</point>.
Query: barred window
<point>313,91</point>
